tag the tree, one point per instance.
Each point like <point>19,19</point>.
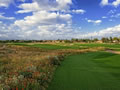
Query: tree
<point>105,40</point>
<point>116,39</point>
<point>111,39</point>
<point>95,39</point>
<point>74,40</point>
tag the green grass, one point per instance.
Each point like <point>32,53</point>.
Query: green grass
<point>99,45</point>
<point>88,71</point>
<point>69,46</point>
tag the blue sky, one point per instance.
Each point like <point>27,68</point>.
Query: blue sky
<point>59,19</point>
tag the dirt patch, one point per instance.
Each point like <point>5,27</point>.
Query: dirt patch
<point>112,51</point>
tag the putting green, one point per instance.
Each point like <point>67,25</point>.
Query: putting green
<point>88,71</point>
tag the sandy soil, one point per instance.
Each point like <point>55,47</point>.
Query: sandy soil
<point>112,51</point>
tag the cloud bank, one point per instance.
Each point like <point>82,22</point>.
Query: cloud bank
<point>50,20</point>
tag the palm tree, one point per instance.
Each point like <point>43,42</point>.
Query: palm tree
<point>111,39</point>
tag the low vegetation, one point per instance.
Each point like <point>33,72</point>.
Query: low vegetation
<point>31,68</point>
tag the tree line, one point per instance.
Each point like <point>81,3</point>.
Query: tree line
<point>102,40</point>
<point>111,40</point>
<point>92,40</point>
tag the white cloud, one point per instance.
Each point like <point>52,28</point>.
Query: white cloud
<point>112,31</point>
<point>47,5</point>
<point>29,7</point>
<point>54,5</point>
<point>115,3</point>
<point>104,17</point>
<point>57,31</point>
<point>44,25</point>
<point>49,20</point>
<point>46,22</point>
<point>95,22</point>
<point>3,30</point>
<point>43,17</point>
<point>79,11</point>
<point>104,2</point>
<point>5,3</point>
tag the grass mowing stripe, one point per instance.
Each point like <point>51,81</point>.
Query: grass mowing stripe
<point>49,46</point>
<point>84,72</point>
<point>70,45</point>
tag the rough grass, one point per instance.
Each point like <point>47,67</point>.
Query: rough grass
<point>50,46</point>
<point>70,45</point>
<point>30,68</point>
<point>88,71</point>
<point>27,67</point>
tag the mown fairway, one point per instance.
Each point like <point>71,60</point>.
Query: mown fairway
<point>70,46</point>
<point>88,71</point>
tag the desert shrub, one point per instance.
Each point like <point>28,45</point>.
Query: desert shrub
<point>55,61</point>
<point>61,57</point>
<point>26,74</point>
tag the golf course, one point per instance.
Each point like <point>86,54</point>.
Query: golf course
<point>59,66</point>
<point>88,71</point>
<point>59,44</point>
